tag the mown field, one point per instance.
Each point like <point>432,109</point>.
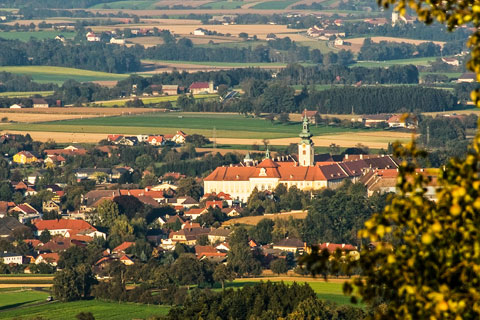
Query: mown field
<point>131,4</point>
<point>39,35</point>
<point>223,5</point>
<point>25,94</point>
<point>387,63</point>
<point>148,100</point>
<point>225,125</point>
<point>45,74</point>
<point>274,5</point>
<point>68,310</point>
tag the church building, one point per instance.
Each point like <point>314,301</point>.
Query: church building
<point>301,171</point>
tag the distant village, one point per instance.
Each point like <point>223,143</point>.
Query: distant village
<point>50,228</point>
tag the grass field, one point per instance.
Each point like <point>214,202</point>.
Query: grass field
<point>331,291</point>
<point>99,309</point>
<point>25,94</point>
<point>223,5</point>
<point>253,220</point>
<point>40,35</point>
<point>274,5</point>
<point>149,100</point>
<point>220,64</point>
<point>415,61</point>
<point>132,4</point>
<point>11,298</point>
<point>226,125</point>
<point>60,74</point>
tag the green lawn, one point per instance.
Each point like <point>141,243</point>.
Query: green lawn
<point>331,291</point>
<point>25,94</point>
<point>226,125</point>
<point>387,63</point>
<point>317,44</point>
<point>46,74</point>
<point>274,5</point>
<point>40,35</point>
<point>11,298</point>
<point>132,4</point>
<point>99,309</point>
<point>223,5</point>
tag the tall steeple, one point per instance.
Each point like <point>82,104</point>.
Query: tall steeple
<point>305,147</point>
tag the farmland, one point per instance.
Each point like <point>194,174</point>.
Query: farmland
<point>25,94</point>
<point>274,5</point>
<point>68,310</point>
<point>46,74</point>
<point>39,35</point>
<point>253,220</point>
<point>415,61</point>
<point>134,5</point>
<point>331,290</point>
<point>189,122</point>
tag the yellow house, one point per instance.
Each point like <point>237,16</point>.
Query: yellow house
<point>24,157</point>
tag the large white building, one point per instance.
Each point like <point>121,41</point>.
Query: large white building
<point>303,172</point>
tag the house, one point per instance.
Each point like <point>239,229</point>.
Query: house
<point>170,89</point>
<point>126,260</point>
<point>199,32</point>
<point>194,213</point>
<point>188,236</point>
<point>289,245</point>
<point>210,253</point>
<point>467,77</point>
<point>48,258</point>
<point>60,38</point>
<point>51,206</point>
<point>451,61</point>
<point>17,106</point>
<point>40,103</point>
<point>24,157</point>
<point>98,174</point>
<point>311,115</point>
<point>232,211</point>
<point>122,247</point>
<point>338,42</point>
<point>214,204</point>
<point>219,235</point>
<point>68,151</point>
<point>397,121</point>
<point>9,257</point>
<point>179,137</point>
<point>92,37</point>
<point>26,213</point>
<point>202,87</point>
<point>156,140</point>
<point>54,160</point>
<point>114,137</point>
<point>271,37</point>
<point>62,226</point>
<point>117,41</point>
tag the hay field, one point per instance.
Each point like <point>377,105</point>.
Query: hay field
<point>260,30</point>
<point>186,3</point>
<point>357,43</point>
<point>255,219</point>
<point>160,66</point>
<point>42,115</point>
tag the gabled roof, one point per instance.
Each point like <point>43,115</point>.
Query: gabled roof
<point>332,247</point>
<point>199,85</point>
<point>61,224</point>
<point>124,246</point>
<point>25,208</point>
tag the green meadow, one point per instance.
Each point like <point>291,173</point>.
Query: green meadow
<point>46,74</point>
<point>100,309</point>
<point>225,125</point>
<point>14,298</point>
<point>222,64</point>
<point>25,94</point>
<point>387,63</point>
<point>132,4</point>
<point>274,5</point>
<point>149,100</point>
<point>223,5</point>
<point>39,35</point>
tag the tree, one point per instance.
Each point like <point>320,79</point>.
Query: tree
<point>187,269</point>
<point>85,316</point>
<point>189,187</point>
<point>73,284</point>
<point>240,258</point>
<point>222,273</point>
<point>279,266</point>
<point>45,236</point>
<point>262,232</point>
<point>107,212</point>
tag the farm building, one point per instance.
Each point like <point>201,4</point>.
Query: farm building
<point>202,87</point>
<point>170,89</point>
<point>24,157</point>
<point>40,103</point>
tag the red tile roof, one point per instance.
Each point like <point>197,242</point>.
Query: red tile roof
<point>199,85</point>
<point>124,246</point>
<point>68,224</point>
<point>332,247</point>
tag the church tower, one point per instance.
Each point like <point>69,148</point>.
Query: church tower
<point>305,147</point>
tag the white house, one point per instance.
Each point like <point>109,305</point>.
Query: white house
<point>8,257</point>
<point>199,32</point>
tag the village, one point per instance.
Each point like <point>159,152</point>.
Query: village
<point>191,211</point>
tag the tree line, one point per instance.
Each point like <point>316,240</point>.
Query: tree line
<point>385,50</point>
<point>65,4</point>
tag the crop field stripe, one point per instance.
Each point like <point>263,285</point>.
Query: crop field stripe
<point>22,94</point>
<point>40,35</point>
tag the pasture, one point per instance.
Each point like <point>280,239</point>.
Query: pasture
<point>25,94</point>
<point>223,5</point>
<point>274,5</point>
<point>100,309</point>
<point>133,5</point>
<point>16,297</point>
<point>254,220</point>
<point>47,74</point>
<point>424,61</point>
<point>39,35</point>
<point>152,100</point>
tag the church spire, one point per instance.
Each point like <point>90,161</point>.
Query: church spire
<point>267,153</point>
<point>305,147</point>
<point>306,135</point>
